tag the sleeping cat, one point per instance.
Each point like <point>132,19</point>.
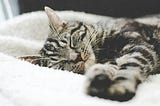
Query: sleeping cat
<point>116,57</point>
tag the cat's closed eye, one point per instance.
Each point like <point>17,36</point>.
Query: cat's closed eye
<point>63,43</point>
<point>49,46</point>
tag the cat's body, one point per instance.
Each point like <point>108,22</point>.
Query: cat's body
<point>116,56</point>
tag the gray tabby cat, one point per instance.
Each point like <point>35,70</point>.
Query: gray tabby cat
<point>116,58</point>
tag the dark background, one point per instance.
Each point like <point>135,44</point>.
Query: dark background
<point>115,8</point>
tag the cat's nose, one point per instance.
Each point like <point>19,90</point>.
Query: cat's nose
<point>78,56</point>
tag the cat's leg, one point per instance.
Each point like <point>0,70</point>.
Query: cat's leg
<point>119,81</point>
<point>36,60</point>
<point>99,78</point>
<point>136,64</point>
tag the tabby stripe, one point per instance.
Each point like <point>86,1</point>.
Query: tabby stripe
<point>55,41</point>
<point>144,51</point>
<point>52,54</point>
<point>48,53</point>
<point>142,60</point>
<point>84,34</point>
<point>78,27</point>
<point>43,52</point>
<point>48,47</point>
<point>131,64</point>
<point>129,58</point>
<point>53,59</point>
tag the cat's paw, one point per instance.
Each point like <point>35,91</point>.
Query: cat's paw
<point>124,85</point>
<point>122,89</point>
<point>36,60</point>
<point>31,59</point>
<point>99,78</point>
<point>110,83</point>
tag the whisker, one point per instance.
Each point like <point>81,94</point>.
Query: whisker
<point>99,49</point>
<point>96,43</point>
<point>90,41</point>
<point>91,34</point>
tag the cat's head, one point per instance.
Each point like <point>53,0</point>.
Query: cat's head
<point>68,45</point>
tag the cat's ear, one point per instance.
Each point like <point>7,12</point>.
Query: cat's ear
<point>55,21</point>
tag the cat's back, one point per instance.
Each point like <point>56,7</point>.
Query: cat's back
<point>115,26</point>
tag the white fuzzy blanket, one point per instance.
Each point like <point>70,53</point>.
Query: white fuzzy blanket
<point>24,84</point>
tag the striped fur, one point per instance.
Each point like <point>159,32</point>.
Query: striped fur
<point>130,47</point>
<point>116,56</point>
<point>134,49</point>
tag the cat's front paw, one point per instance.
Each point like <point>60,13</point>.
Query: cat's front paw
<point>107,81</point>
<point>99,78</point>
<point>36,60</point>
<point>31,59</point>
<point>122,89</point>
<point>124,85</point>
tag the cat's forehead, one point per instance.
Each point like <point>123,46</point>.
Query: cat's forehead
<point>74,29</point>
